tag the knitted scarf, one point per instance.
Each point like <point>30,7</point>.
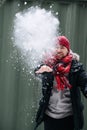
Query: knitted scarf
<point>61,69</point>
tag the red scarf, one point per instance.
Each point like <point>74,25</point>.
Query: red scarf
<point>61,70</point>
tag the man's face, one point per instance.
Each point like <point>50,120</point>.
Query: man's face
<point>61,51</point>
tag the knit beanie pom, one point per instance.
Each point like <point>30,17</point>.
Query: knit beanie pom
<point>62,40</point>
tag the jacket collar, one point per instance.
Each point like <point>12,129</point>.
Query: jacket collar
<point>75,66</point>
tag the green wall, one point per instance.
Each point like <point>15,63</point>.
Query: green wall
<point>19,92</point>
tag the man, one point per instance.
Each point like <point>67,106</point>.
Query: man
<point>62,79</point>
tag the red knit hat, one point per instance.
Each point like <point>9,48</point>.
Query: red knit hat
<point>62,40</point>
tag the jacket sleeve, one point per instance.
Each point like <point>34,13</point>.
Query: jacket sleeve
<point>82,80</point>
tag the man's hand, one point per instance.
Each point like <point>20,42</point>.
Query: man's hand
<point>44,68</point>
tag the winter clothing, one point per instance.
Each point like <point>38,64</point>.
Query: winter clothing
<point>61,69</point>
<point>62,40</point>
<point>70,78</point>
<point>60,105</point>
<point>78,80</point>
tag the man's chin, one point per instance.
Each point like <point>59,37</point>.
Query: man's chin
<point>59,57</point>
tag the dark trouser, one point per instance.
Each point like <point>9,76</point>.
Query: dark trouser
<point>58,124</point>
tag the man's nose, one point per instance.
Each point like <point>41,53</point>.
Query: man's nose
<point>58,49</point>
